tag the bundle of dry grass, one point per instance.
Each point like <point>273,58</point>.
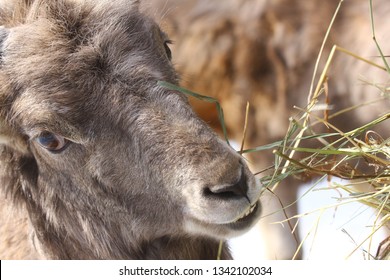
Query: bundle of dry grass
<point>361,155</point>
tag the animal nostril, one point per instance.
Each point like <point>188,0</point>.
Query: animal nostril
<point>235,191</point>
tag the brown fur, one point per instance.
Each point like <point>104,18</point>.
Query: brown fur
<point>140,176</point>
<point>264,52</point>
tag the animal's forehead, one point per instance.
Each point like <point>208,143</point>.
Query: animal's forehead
<point>84,49</point>
<point>79,61</point>
<point>85,43</point>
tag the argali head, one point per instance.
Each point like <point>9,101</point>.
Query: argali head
<point>103,158</point>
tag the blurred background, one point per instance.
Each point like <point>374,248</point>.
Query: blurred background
<point>335,233</point>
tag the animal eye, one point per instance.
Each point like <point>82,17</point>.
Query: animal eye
<point>167,49</point>
<point>52,142</point>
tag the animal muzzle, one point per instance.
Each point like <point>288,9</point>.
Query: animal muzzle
<point>226,202</point>
<point>237,190</point>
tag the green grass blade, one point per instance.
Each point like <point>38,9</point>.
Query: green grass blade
<point>202,98</point>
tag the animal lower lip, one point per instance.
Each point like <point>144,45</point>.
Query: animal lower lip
<point>247,215</point>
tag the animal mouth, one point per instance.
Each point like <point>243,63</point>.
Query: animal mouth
<point>247,213</point>
<point>247,218</point>
<point>228,229</point>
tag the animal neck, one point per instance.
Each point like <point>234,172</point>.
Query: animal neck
<point>106,242</point>
<point>199,248</point>
<point>165,248</point>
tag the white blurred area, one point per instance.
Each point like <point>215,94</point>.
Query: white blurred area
<point>331,234</point>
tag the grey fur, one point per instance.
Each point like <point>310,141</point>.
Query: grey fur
<point>143,177</point>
